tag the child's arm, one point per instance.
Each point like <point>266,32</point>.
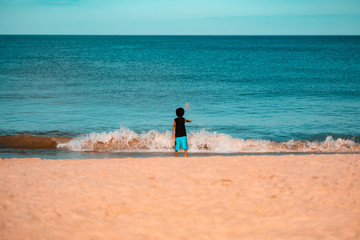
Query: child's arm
<point>188,120</point>
<point>173,133</point>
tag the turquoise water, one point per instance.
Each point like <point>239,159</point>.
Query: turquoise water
<point>273,88</point>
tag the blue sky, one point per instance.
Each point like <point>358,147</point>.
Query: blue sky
<point>179,17</point>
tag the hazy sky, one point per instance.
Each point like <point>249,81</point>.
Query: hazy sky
<point>210,17</point>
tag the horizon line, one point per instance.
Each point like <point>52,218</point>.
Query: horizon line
<point>69,34</point>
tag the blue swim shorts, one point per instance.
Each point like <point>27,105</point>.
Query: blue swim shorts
<point>181,141</point>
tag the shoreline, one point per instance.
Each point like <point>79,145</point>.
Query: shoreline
<point>125,140</point>
<point>307,196</point>
<point>149,155</point>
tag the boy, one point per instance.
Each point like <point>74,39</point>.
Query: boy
<point>179,132</point>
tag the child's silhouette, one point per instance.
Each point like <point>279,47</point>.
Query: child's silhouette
<point>179,132</point>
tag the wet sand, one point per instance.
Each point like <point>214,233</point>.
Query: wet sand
<point>242,197</point>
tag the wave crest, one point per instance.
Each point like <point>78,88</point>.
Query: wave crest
<point>125,140</point>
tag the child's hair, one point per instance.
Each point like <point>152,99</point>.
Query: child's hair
<point>180,112</point>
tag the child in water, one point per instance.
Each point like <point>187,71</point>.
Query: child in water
<point>179,132</point>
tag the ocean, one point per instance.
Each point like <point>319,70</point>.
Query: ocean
<point>115,96</point>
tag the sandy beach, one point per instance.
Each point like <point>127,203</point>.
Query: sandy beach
<point>240,197</point>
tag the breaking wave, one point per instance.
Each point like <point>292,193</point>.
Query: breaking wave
<point>126,140</point>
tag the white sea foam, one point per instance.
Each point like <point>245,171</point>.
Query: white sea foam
<point>126,140</point>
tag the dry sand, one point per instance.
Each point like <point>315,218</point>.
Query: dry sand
<point>242,197</point>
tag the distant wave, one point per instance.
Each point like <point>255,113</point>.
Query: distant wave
<point>126,140</point>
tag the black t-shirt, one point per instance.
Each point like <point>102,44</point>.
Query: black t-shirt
<point>180,130</point>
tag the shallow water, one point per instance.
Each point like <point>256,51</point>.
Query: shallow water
<point>266,88</point>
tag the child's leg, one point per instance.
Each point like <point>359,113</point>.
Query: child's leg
<point>177,146</point>
<point>185,146</point>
